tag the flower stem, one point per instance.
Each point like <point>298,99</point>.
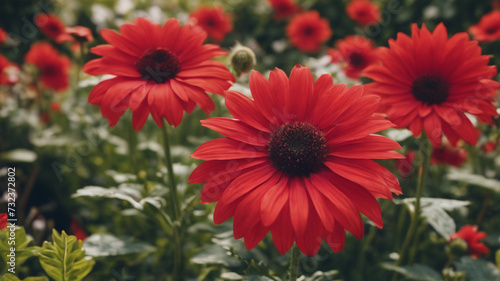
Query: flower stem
<point>178,273</point>
<point>294,263</point>
<point>425,154</point>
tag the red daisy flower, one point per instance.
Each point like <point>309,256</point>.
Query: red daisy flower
<point>489,146</point>
<point>3,36</point>
<point>9,71</point>
<point>488,28</point>
<point>471,236</point>
<point>296,161</point>
<point>53,67</point>
<point>50,25</point>
<point>364,12</point>
<point>447,154</point>
<point>356,52</point>
<point>307,31</point>
<point>283,8</point>
<point>3,220</point>
<point>78,33</point>
<point>214,21</point>
<point>159,70</point>
<point>429,82</point>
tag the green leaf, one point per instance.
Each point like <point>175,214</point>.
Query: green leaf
<point>434,210</point>
<point>104,245</point>
<point>12,277</point>
<point>322,276</point>
<point>19,155</point>
<point>97,191</point>
<point>415,272</point>
<point>215,254</point>
<point>477,270</point>
<point>22,241</point>
<point>64,259</point>
<point>476,180</point>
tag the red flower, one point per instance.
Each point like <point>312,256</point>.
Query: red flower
<point>214,21</point>
<point>53,67</point>
<point>283,8</point>
<point>488,28</point>
<point>160,70</point>
<point>447,154</point>
<point>78,33</point>
<point>307,31</point>
<point>489,146</point>
<point>405,166</point>
<point>364,12</point>
<point>429,82</point>
<point>50,25</point>
<point>77,230</point>
<point>357,52</point>
<point>471,236</point>
<point>3,220</point>
<point>3,36</point>
<point>296,161</point>
<point>9,71</point>
<point>55,106</point>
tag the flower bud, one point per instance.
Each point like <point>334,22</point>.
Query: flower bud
<point>457,247</point>
<point>242,59</point>
<point>451,275</point>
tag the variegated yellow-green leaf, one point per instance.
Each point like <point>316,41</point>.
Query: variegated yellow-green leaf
<point>64,259</point>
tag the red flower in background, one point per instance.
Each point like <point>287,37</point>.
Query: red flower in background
<point>296,161</point>
<point>159,70</point>
<point>283,8</point>
<point>3,221</point>
<point>53,67</point>
<point>356,52</point>
<point>9,72</point>
<point>50,25</point>
<point>77,230</point>
<point>471,236</point>
<point>307,31</point>
<point>429,82</point>
<point>489,146</point>
<point>405,166</point>
<point>214,21</point>
<point>3,36</point>
<point>488,28</point>
<point>447,154</point>
<point>364,12</point>
<point>78,33</point>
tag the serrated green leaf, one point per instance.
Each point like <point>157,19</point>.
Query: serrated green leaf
<point>476,180</point>
<point>477,269</point>
<point>104,245</point>
<point>434,210</point>
<point>64,259</point>
<point>415,272</point>
<point>12,277</point>
<point>19,155</point>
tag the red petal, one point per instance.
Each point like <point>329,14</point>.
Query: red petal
<point>244,109</point>
<point>237,130</point>
<point>273,201</point>
<point>226,149</point>
<point>299,205</point>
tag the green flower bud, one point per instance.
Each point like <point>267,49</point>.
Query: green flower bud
<point>242,59</point>
<point>456,248</point>
<point>450,275</point>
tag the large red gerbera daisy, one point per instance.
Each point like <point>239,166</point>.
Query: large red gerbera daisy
<point>356,52</point>
<point>214,21</point>
<point>488,28</point>
<point>296,161</point>
<point>283,8</point>
<point>364,12</point>
<point>53,67</point>
<point>50,25</point>
<point>471,236</point>
<point>429,82</point>
<point>307,31</point>
<point>159,70</point>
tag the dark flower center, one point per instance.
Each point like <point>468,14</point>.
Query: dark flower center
<point>430,89</point>
<point>492,29</point>
<point>297,149</point>
<point>356,59</point>
<point>210,22</point>
<point>308,30</point>
<point>159,65</point>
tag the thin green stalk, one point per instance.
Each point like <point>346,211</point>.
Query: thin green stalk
<point>425,154</point>
<point>178,272</point>
<point>293,270</point>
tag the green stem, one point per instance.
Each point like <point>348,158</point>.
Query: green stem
<point>425,154</point>
<point>178,272</point>
<point>293,271</point>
